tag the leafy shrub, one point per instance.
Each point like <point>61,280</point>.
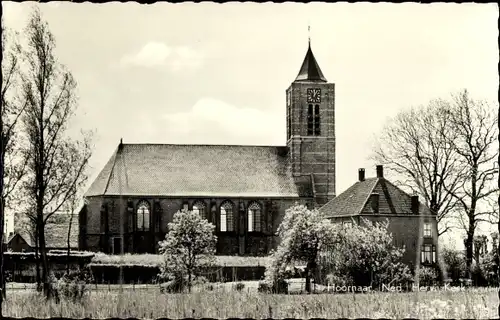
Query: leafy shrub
<point>175,285</point>
<point>73,286</point>
<point>427,276</point>
<point>279,286</point>
<point>239,286</point>
<point>454,263</point>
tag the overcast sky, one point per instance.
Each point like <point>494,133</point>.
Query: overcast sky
<point>217,73</point>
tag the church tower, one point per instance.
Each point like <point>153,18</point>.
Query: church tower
<point>310,112</point>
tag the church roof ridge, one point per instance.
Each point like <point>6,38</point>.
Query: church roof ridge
<point>204,145</point>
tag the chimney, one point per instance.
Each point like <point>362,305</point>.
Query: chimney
<point>375,202</point>
<point>361,174</point>
<point>380,171</point>
<point>415,204</point>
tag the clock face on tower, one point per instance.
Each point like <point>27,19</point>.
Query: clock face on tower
<point>313,95</point>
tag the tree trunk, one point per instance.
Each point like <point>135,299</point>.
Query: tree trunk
<point>469,249</point>
<point>69,243</point>
<point>2,212</point>
<point>45,265</point>
<point>37,261</point>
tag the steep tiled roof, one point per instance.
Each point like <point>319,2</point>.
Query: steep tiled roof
<point>197,170</point>
<point>353,201</point>
<point>56,232</point>
<point>310,70</point>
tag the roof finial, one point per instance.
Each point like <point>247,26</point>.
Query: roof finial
<point>309,32</point>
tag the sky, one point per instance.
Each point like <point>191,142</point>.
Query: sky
<point>217,73</point>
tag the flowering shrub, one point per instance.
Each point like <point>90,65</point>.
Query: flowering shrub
<point>365,256</point>
<point>304,233</point>
<point>188,249</point>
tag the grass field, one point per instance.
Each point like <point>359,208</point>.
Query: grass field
<point>150,304</point>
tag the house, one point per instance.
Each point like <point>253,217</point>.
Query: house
<point>17,242</point>
<point>243,190</point>
<point>412,224</point>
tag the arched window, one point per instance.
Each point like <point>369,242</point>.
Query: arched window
<point>143,212</point>
<point>199,208</point>
<point>226,216</point>
<point>254,212</point>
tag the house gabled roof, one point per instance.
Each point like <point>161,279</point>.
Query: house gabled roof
<point>198,170</point>
<point>356,200</point>
<point>310,70</point>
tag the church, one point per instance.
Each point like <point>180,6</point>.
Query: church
<point>243,190</point>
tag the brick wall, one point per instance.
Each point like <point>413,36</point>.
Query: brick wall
<point>239,241</point>
<point>407,230</point>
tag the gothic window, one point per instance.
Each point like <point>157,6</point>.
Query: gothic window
<point>226,217</point>
<point>427,230</point>
<point>254,217</point>
<point>199,208</point>
<point>143,213</point>
<point>428,254</point>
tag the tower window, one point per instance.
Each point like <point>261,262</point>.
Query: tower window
<point>317,130</point>
<point>310,123</point>
<point>313,120</point>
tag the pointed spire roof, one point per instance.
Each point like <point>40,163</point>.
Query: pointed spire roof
<point>310,70</point>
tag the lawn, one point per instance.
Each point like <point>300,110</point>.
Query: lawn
<point>156,260</point>
<point>151,304</point>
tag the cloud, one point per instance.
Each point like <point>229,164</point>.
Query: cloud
<point>155,54</point>
<point>212,121</point>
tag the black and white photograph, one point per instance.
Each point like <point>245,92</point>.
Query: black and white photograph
<point>249,160</point>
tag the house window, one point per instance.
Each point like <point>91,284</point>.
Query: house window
<point>428,254</point>
<point>226,217</point>
<point>143,213</point>
<point>347,223</point>
<point>427,230</point>
<point>199,208</point>
<point>254,217</point>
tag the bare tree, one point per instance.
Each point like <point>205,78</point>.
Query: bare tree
<point>11,108</point>
<point>56,163</point>
<point>475,124</point>
<point>415,145</point>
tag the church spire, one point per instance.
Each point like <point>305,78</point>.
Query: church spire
<point>310,70</point>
